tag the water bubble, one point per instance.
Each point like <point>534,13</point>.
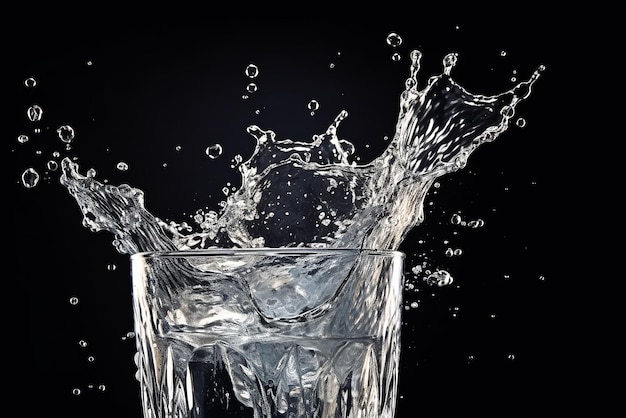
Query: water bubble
<point>252,71</point>
<point>439,278</point>
<point>73,301</point>
<point>251,88</point>
<point>30,178</point>
<point>22,139</point>
<point>214,151</point>
<point>520,122</point>
<point>394,39</point>
<point>66,133</point>
<point>122,166</point>
<point>30,82</point>
<point>34,113</point>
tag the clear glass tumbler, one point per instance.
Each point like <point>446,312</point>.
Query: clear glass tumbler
<point>265,332</point>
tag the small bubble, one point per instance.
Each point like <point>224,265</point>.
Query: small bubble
<point>22,139</point>
<point>332,65</point>
<point>542,278</point>
<point>456,219</point>
<point>396,57</point>
<point>102,388</point>
<point>178,147</point>
<point>394,39</point>
<point>82,343</point>
<point>214,151</point>
<point>91,359</point>
<point>89,63</point>
<point>251,88</point>
<point>73,300</point>
<point>66,133</point>
<point>30,178</point>
<point>30,82</point>
<point>76,391</point>
<point>458,252</point>
<point>252,71</point>
<point>414,305</point>
<point>449,252</point>
<point>503,53</point>
<point>511,356</point>
<point>520,122</point>
<point>34,113</point>
<point>122,166</point>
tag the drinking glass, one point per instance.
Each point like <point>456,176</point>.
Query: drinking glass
<point>284,332</point>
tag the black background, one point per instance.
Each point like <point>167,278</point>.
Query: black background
<point>495,343</point>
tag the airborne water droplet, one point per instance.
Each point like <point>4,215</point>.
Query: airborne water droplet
<point>252,71</point>
<point>30,178</point>
<point>34,113</point>
<point>251,88</point>
<point>122,166</point>
<point>394,39</point>
<point>313,105</point>
<point>22,139</point>
<point>30,82</point>
<point>214,151</point>
<point>520,122</point>
<point>74,300</point>
<point>66,133</point>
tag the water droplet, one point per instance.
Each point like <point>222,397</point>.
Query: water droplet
<point>214,151</point>
<point>30,82</point>
<point>178,148</point>
<point>82,343</point>
<point>225,191</point>
<point>396,57</point>
<point>102,388</point>
<point>89,63</point>
<point>439,278</point>
<point>130,334</point>
<point>458,252</point>
<point>503,53</point>
<point>507,111</point>
<point>394,39</point>
<point>520,122</point>
<point>456,219</point>
<point>22,139</point>
<point>76,391</point>
<point>122,166</point>
<point>73,300</point>
<point>414,305</point>
<point>30,178</point>
<point>251,88</point>
<point>34,113</point>
<point>542,278</point>
<point>52,165</point>
<point>111,267</point>
<point>449,252</point>
<point>313,105</point>
<point>66,133</point>
<point>511,356</point>
<point>252,71</point>
<point>91,359</point>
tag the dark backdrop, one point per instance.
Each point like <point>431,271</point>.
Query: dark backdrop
<point>495,343</point>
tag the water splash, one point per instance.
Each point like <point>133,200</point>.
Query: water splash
<point>298,193</point>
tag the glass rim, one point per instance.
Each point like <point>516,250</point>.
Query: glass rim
<point>278,251</point>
